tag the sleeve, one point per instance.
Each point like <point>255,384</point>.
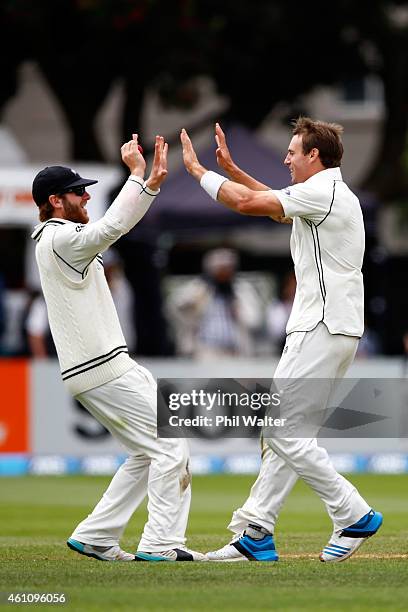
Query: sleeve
<point>78,244</point>
<point>302,200</point>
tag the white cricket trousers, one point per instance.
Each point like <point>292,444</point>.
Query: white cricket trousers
<point>127,407</point>
<point>313,354</point>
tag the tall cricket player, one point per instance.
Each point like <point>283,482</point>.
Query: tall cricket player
<point>95,364</point>
<point>327,246</point>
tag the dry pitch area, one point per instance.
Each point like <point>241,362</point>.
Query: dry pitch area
<point>38,513</point>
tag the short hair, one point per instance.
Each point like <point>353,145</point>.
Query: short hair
<point>323,136</point>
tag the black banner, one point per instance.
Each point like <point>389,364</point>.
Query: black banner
<point>286,408</point>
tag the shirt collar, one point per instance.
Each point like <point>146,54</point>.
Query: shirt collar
<point>38,230</point>
<point>329,174</point>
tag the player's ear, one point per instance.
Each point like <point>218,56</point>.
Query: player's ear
<point>314,154</point>
<point>55,201</point>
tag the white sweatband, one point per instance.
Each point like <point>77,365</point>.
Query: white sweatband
<point>211,183</point>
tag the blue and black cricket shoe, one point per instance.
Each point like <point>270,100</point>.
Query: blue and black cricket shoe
<point>246,548</point>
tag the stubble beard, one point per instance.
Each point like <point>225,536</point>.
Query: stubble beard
<point>74,212</point>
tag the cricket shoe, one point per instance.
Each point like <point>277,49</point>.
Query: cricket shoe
<point>102,553</point>
<point>243,547</point>
<point>174,554</point>
<point>345,542</point>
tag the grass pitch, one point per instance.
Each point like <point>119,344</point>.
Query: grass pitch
<point>37,514</point>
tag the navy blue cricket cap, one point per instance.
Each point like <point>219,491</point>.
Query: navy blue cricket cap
<point>56,180</point>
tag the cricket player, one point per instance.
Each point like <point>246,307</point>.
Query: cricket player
<point>326,322</point>
<point>96,367</point>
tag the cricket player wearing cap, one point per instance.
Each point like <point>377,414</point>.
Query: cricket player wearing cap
<point>96,367</point>
<point>326,322</point>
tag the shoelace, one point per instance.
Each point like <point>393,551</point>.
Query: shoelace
<point>237,537</point>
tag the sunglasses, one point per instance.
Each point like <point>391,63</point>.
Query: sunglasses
<point>79,191</point>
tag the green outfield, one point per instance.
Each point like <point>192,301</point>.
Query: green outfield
<point>37,514</point>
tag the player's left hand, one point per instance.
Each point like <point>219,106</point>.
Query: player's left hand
<point>224,159</point>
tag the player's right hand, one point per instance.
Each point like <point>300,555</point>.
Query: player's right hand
<point>159,168</point>
<point>133,158</point>
<point>224,159</point>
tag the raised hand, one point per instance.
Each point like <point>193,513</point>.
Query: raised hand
<point>133,158</point>
<point>190,159</point>
<point>158,172</point>
<point>224,159</point>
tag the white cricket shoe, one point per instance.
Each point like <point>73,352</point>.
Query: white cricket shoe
<point>102,553</point>
<point>344,542</point>
<point>174,554</point>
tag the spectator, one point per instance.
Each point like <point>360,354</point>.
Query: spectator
<point>37,329</point>
<point>216,314</point>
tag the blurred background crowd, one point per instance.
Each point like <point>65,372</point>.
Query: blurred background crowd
<point>193,279</point>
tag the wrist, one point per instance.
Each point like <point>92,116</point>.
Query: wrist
<point>136,178</point>
<point>234,171</point>
<point>152,185</point>
<point>136,174</point>
<point>197,171</point>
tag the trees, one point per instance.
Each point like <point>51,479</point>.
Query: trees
<point>270,52</point>
<point>258,54</point>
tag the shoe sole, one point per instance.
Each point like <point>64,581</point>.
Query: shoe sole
<point>151,558</point>
<point>227,560</point>
<point>73,545</point>
<point>243,558</point>
<point>347,555</point>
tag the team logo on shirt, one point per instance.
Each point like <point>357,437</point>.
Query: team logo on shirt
<point>287,191</point>
<point>79,227</point>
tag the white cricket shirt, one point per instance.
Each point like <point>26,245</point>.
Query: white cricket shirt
<point>327,247</point>
<point>83,320</point>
